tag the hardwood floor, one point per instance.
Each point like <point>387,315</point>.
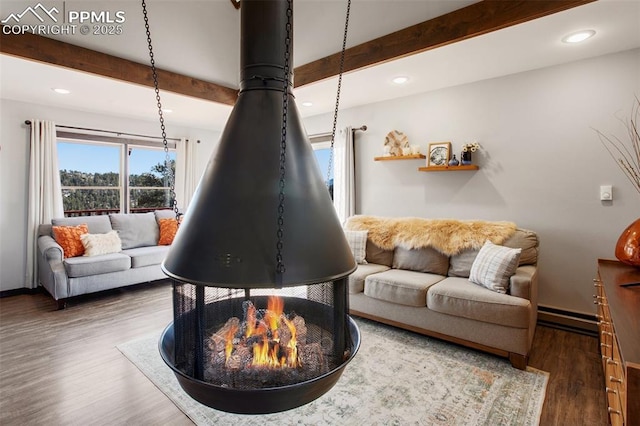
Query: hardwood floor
<point>63,368</point>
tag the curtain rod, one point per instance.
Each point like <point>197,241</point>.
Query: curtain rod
<point>28,122</point>
<point>363,128</point>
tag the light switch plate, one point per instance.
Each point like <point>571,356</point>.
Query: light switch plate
<point>606,193</point>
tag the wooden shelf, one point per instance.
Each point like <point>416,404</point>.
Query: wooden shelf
<point>401,157</point>
<point>448,168</point>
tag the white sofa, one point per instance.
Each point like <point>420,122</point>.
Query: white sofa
<point>423,290</point>
<point>138,262</point>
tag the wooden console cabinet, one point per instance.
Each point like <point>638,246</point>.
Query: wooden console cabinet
<point>619,329</point>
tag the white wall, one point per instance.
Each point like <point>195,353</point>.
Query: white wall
<point>14,165</point>
<point>541,165</point>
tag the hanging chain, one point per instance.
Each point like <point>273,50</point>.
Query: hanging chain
<point>167,160</point>
<point>280,268</point>
<point>335,113</point>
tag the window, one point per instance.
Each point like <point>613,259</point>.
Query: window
<point>323,154</point>
<point>149,178</point>
<point>90,178</point>
<point>97,178</point>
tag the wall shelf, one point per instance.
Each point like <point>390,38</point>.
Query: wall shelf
<point>401,157</point>
<point>448,168</point>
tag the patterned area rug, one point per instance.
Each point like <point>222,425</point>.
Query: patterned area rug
<point>397,378</point>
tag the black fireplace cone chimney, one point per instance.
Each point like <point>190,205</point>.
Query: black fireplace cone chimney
<point>229,235</point>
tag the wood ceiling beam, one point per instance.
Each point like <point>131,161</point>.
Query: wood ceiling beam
<point>471,21</point>
<point>54,52</point>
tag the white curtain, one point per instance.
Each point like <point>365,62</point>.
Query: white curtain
<point>45,195</point>
<point>186,178</point>
<point>344,198</point>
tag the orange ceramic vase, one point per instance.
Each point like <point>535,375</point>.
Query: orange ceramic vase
<point>628,246</point>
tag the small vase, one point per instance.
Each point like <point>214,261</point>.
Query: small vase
<point>628,246</point>
<point>454,161</point>
<point>465,158</point>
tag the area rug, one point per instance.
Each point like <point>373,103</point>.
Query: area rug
<point>397,378</point>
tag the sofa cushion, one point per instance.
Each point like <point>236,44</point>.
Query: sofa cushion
<point>378,255</point>
<point>528,242</point>
<point>425,259</point>
<point>103,264</point>
<point>494,265</point>
<point>357,241</point>
<point>69,238</point>
<point>96,224</point>
<point>97,244</point>
<point>460,297</point>
<point>145,256</point>
<point>460,264</point>
<point>165,214</point>
<point>356,280</point>
<point>136,229</point>
<point>400,286</point>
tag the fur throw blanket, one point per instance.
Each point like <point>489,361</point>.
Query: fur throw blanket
<point>445,235</point>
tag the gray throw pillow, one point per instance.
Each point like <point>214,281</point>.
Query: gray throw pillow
<point>136,229</point>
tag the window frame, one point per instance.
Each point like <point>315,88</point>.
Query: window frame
<point>323,141</point>
<point>124,145</point>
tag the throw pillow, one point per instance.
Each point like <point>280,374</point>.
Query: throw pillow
<point>69,239</point>
<point>96,244</point>
<point>168,229</point>
<point>358,242</point>
<point>493,266</point>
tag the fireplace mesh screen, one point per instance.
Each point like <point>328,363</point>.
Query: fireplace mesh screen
<point>214,341</point>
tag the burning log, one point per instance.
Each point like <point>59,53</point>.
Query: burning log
<point>266,347</point>
<point>218,341</point>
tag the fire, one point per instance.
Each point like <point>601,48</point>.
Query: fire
<point>273,337</point>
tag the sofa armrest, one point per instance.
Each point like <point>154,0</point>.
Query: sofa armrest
<point>51,270</point>
<point>49,249</point>
<point>524,283</point>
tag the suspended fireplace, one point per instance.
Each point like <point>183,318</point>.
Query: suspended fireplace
<point>260,262</point>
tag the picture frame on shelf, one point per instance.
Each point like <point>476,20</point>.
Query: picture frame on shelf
<point>439,154</point>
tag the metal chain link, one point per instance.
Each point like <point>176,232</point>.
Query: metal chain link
<point>335,113</point>
<point>167,160</point>
<point>280,268</point>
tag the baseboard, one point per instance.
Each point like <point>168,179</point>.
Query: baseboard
<point>568,320</point>
<point>19,291</point>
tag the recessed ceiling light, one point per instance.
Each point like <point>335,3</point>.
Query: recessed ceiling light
<point>307,104</point>
<point>167,110</point>
<point>579,36</point>
<point>400,80</point>
<point>61,91</point>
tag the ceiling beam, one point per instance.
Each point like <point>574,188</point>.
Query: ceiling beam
<point>54,52</point>
<point>474,20</point>
<point>471,21</point>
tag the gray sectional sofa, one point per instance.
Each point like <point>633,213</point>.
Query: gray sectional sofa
<point>426,291</point>
<point>138,262</point>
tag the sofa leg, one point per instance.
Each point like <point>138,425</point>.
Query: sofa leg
<point>62,304</point>
<point>518,361</point>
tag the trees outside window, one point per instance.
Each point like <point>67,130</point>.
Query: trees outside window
<point>97,178</point>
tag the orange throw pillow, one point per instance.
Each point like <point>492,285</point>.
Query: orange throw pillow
<point>69,239</point>
<point>168,229</point>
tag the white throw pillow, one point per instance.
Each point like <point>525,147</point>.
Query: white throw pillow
<point>358,242</point>
<point>96,244</point>
<point>493,266</point>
